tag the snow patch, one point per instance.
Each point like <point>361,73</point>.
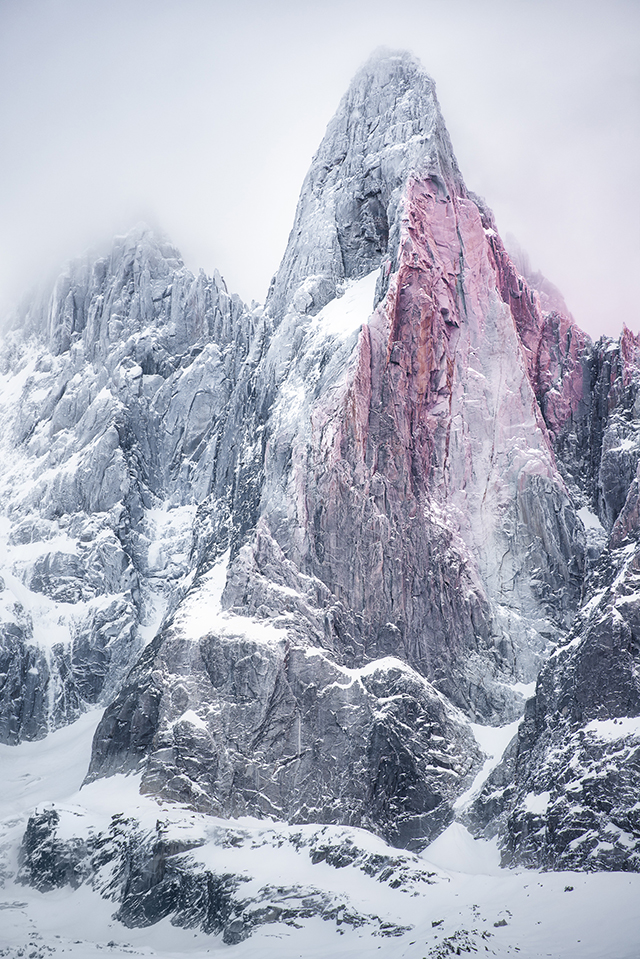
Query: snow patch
<point>537,803</point>
<point>191,717</point>
<point>347,313</point>
<point>589,519</point>
<point>201,612</point>
<point>169,531</point>
<point>455,850</point>
<point>493,740</point>
<point>611,729</point>
<point>527,690</point>
<point>46,770</point>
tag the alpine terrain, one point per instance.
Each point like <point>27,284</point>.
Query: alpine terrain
<point>320,621</point>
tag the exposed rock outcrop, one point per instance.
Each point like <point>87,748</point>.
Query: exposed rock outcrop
<point>164,872</point>
<point>566,797</point>
<point>243,721</point>
<point>114,388</point>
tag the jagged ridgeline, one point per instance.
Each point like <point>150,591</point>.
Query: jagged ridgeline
<point>295,550</point>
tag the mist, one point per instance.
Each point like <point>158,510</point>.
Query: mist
<point>201,118</point>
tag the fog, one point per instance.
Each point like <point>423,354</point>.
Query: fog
<point>201,117</point>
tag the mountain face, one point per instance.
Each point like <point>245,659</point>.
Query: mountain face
<point>565,797</point>
<point>294,551</point>
<point>115,386</point>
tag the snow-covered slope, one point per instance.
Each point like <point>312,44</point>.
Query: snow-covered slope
<point>118,873</point>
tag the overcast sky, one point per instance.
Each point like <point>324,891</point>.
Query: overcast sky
<point>201,117</point>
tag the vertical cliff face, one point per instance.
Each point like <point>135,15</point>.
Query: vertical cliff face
<point>572,777</point>
<point>421,484</point>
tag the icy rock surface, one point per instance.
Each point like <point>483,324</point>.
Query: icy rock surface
<point>112,388</point>
<point>388,126</point>
<point>566,795</point>
<point>151,874</point>
<point>239,724</point>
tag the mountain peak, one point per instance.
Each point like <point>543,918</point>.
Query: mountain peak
<point>394,68</point>
<point>145,240</point>
<point>140,283</point>
<point>390,63</point>
<point>387,128</point>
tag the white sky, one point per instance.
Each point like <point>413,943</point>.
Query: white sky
<point>201,117</point>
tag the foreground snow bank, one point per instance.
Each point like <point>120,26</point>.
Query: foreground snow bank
<point>347,892</point>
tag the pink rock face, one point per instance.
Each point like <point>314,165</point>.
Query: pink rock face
<point>552,343</point>
<point>426,494</point>
<point>630,353</point>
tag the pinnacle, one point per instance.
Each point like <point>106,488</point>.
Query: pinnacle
<point>391,64</point>
<point>387,129</point>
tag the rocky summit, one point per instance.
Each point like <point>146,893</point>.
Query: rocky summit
<point>301,554</point>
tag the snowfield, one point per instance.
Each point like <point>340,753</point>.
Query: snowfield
<point>454,896</point>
